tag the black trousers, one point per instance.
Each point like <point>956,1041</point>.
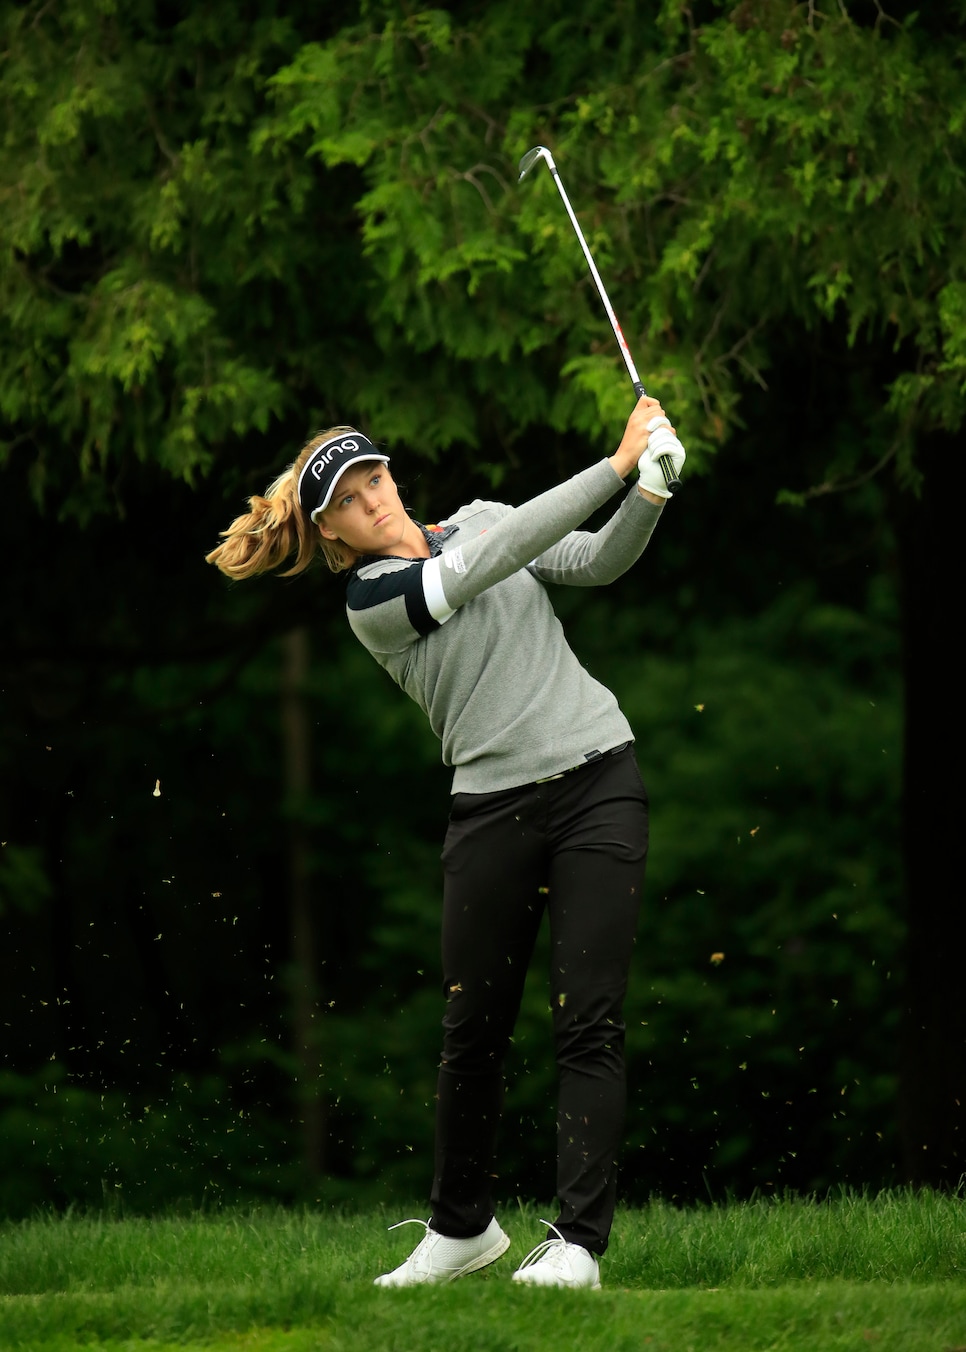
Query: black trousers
<point>574,847</point>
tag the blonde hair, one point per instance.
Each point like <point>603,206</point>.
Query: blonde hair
<point>275,527</point>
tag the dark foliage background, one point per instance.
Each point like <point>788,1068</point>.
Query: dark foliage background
<point>220,821</point>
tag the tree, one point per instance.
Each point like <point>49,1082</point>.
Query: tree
<point>148,277</point>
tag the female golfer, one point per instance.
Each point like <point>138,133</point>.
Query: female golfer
<point>548,810</point>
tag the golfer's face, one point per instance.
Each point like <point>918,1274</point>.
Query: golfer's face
<point>365,511</point>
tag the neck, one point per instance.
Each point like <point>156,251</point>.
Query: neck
<point>413,543</point>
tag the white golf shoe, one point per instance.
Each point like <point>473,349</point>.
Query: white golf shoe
<point>438,1258</point>
<point>556,1262</point>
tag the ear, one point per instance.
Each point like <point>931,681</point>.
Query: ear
<point>327,531</point>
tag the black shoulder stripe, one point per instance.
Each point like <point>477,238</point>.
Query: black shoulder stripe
<point>368,593</point>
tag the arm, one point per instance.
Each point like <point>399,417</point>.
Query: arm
<point>392,602</point>
<point>587,559</point>
<point>523,534</point>
<point>583,559</point>
<point>533,528</point>
<point>399,601</point>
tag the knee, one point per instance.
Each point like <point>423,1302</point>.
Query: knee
<point>475,1040</point>
<point>595,1045</point>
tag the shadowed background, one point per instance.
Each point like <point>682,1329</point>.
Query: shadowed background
<point>220,822</point>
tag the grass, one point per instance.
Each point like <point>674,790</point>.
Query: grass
<point>788,1275</point>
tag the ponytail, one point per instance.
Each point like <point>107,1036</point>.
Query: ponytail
<point>275,527</point>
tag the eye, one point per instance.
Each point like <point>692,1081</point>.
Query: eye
<point>375,479</point>
<point>344,502</point>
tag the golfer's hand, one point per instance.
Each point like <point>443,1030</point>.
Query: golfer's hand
<point>662,441</point>
<point>636,436</point>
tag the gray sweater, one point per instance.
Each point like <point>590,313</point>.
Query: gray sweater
<point>470,633</point>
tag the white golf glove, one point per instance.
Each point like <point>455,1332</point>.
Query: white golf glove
<point>661,441</point>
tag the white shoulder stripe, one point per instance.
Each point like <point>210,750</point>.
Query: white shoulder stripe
<point>436,602</point>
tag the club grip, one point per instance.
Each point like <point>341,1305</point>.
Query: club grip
<point>671,480</point>
<point>667,469</point>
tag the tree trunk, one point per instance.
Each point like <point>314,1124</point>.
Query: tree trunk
<point>932,1090</point>
<point>296,736</point>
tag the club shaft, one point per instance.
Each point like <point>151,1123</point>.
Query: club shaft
<point>665,461</point>
<point>618,333</point>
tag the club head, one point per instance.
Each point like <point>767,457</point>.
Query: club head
<point>530,159</point>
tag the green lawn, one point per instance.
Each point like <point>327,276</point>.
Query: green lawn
<point>796,1276</point>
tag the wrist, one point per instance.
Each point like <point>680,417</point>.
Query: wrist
<point>623,465</point>
<point>651,497</point>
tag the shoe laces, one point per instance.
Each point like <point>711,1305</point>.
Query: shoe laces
<point>554,1251</point>
<point>413,1220</point>
<point>423,1252</point>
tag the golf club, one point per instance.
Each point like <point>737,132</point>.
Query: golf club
<point>526,164</point>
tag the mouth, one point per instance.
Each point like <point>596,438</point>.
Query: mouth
<point>380,520</point>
